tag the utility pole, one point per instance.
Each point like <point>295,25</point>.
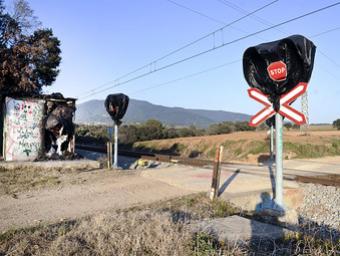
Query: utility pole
<point>279,161</point>
<point>304,109</point>
<point>115,157</point>
<point>272,142</point>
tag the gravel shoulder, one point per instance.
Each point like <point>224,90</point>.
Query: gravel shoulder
<point>321,206</point>
<point>102,190</point>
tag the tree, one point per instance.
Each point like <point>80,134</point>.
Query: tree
<point>288,125</point>
<point>29,56</point>
<point>24,15</point>
<point>170,133</point>
<point>128,134</point>
<point>336,124</point>
<point>186,132</point>
<point>243,126</point>
<point>154,129</point>
<point>220,128</point>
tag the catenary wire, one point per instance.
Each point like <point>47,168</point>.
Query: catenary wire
<point>207,16</point>
<point>238,9</point>
<point>181,48</point>
<point>188,76</point>
<point>217,67</point>
<point>268,23</point>
<point>217,47</point>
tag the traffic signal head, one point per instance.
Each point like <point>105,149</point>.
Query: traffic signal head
<point>116,105</point>
<point>277,67</point>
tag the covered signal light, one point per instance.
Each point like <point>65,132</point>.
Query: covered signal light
<point>277,67</point>
<point>116,105</point>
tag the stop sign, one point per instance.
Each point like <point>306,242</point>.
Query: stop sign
<point>277,71</point>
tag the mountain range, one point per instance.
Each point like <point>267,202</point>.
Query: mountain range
<point>93,112</point>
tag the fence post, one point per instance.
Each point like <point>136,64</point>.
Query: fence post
<point>215,184</point>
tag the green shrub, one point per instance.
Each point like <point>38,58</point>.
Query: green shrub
<point>336,124</point>
<point>313,150</point>
<point>152,130</point>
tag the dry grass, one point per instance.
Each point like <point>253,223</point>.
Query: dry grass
<point>158,229</point>
<point>23,179</point>
<point>322,127</point>
<point>250,146</point>
<point>125,233</point>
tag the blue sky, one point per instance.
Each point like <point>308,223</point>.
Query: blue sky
<point>104,39</point>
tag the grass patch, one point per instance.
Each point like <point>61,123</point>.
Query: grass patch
<point>222,209</point>
<point>205,245</point>
<point>161,228</point>
<point>313,150</point>
<point>157,229</point>
<point>154,147</point>
<point>258,147</point>
<point>16,180</point>
<point>22,179</point>
<point>196,207</point>
<point>242,149</point>
<point>297,244</point>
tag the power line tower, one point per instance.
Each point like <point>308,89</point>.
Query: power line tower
<point>304,109</point>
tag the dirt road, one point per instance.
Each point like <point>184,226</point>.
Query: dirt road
<point>88,192</point>
<point>105,190</point>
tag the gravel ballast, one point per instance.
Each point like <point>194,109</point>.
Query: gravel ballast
<point>321,208</point>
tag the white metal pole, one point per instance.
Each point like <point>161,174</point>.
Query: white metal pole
<point>115,158</point>
<point>271,141</point>
<point>279,162</point>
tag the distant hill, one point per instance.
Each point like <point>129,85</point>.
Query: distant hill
<point>93,112</point>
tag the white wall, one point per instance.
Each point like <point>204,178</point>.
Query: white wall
<point>23,129</point>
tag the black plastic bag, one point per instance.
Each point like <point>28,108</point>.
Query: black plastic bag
<point>296,51</point>
<point>116,105</point>
<point>271,121</point>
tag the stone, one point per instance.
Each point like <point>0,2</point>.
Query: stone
<point>291,217</point>
<point>236,229</point>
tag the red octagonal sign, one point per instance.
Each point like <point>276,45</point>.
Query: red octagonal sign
<point>277,71</point>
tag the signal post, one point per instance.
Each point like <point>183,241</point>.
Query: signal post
<point>278,73</point>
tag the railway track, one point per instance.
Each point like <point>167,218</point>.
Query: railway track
<point>303,176</point>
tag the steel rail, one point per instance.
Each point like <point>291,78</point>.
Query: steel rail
<point>326,179</point>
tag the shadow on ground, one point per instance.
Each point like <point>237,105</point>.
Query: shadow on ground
<point>227,182</point>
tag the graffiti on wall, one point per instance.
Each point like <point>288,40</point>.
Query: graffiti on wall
<point>23,129</point>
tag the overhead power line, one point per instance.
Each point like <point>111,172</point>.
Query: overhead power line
<point>326,32</point>
<point>188,76</point>
<point>152,63</point>
<point>219,67</point>
<point>205,15</point>
<point>268,23</point>
<point>329,58</point>
<point>304,97</point>
<point>218,47</point>
<point>197,12</point>
<point>240,10</point>
<point>243,11</point>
